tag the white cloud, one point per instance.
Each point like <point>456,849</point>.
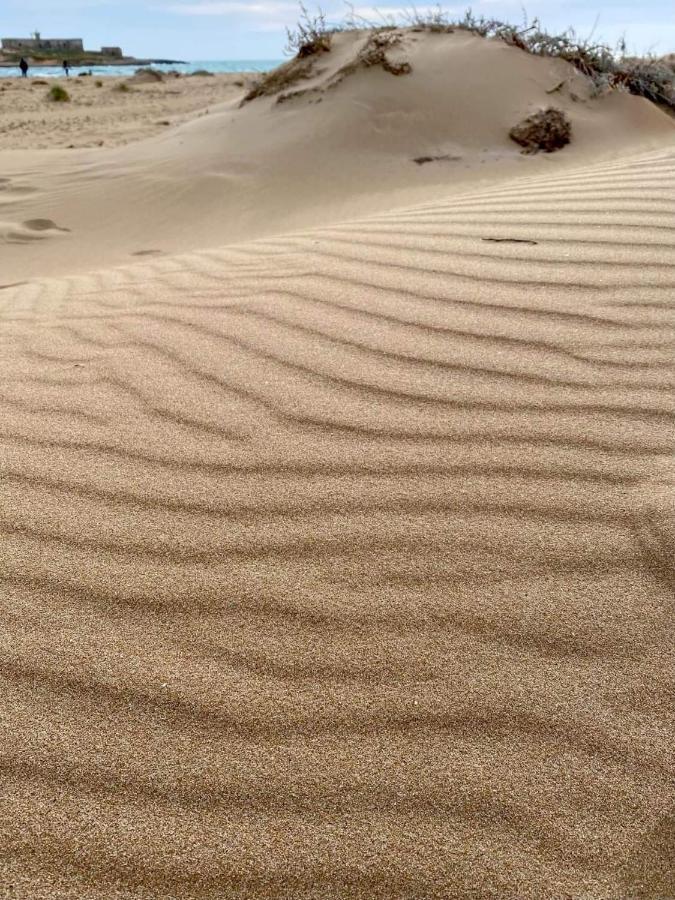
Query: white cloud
<point>258,8</point>
<point>280,10</point>
<point>40,7</point>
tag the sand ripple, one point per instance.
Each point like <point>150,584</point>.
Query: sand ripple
<point>339,564</point>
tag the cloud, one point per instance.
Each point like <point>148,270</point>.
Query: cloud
<point>282,9</point>
<point>256,9</point>
<point>41,7</point>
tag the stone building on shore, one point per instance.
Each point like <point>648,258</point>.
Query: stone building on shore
<point>36,43</point>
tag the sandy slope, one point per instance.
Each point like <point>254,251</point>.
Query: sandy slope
<point>329,154</point>
<point>336,564</point>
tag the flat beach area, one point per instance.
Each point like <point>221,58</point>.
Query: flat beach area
<point>336,483</point>
<point>105,111</point>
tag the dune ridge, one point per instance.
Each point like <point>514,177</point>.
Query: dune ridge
<point>339,563</point>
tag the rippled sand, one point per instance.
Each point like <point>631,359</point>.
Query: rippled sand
<point>338,563</point>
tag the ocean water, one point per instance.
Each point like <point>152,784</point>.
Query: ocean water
<point>215,66</point>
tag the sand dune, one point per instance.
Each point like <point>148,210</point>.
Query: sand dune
<point>339,147</point>
<point>337,563</point>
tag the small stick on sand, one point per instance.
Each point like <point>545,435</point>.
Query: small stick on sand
<point>509,240</point>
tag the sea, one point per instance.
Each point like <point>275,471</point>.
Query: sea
<point>185,68</point>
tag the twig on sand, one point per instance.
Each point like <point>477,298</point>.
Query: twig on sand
<point>509,240</point>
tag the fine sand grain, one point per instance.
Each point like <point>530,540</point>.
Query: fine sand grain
<point>338,563</point>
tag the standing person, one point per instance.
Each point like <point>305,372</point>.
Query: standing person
<point>66,68</point>
<point>23,65</point>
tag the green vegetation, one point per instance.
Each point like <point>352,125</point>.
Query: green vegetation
<point>58,94</point>
<point>122,88</point>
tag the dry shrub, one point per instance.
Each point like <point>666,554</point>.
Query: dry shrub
<point>648,78</point>
<point>310,39</point>
<point>310,36</point>
<point>58,94</point>
<point>375,53</point>
<point>435,20</point>
<point>607,68</point>
<point>146,76</point>
<point>547,130</point>
<point>281,78</point>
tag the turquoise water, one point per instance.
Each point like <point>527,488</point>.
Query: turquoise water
<point>215,66</point>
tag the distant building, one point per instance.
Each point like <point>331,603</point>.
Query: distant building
<point>37,42</point>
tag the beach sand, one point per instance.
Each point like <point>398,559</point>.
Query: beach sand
<point>337,531</point>
<point>99,113</point>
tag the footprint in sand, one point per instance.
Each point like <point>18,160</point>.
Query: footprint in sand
<point>42,225</point>
<point>30,230</point>
<point>11,190</point>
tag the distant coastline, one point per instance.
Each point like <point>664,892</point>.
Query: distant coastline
<point>127,66</point>
<point>92,62</point>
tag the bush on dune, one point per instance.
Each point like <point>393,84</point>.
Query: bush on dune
<point>309,39</point>
<point>310,36</point>
<point>375,53</point>
<point>279,79</point>
<point>608,68</point>
<point>649,78</point>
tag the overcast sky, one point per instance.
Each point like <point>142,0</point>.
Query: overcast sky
<point>254,29</point>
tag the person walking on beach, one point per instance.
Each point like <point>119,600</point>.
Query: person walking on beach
<point>66,68</point>
<point>23,65</point>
